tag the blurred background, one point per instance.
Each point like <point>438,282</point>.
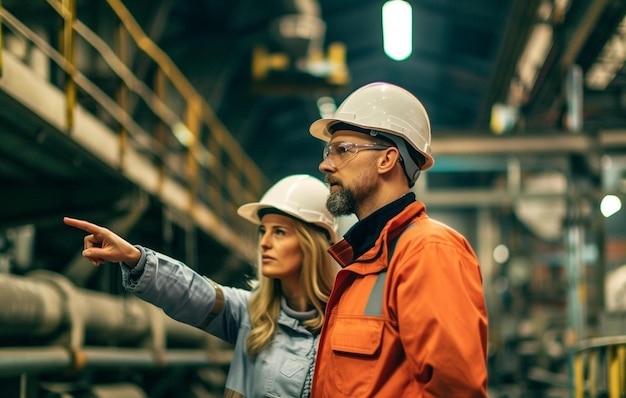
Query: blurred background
<point>158,119</point>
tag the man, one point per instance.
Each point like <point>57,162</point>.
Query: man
<point>407,316</point>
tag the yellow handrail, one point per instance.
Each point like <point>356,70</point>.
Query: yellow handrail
<point>0,39</point>
<point>600,364</point>
<point>181,83</point>
<point>196,132</point>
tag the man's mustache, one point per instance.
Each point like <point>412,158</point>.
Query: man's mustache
<point>332,181</point>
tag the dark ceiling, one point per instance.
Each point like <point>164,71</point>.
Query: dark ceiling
<point>453,69</point>
<point>464,59</point>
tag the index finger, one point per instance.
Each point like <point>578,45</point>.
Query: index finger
<point>82,224</point>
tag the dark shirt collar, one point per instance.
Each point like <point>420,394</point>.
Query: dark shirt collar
<point>362,236</point>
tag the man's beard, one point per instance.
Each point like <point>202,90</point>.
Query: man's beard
<point>347,201</point>
<point>341,203</point>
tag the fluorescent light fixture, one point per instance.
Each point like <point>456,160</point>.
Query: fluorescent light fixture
<point>534,54</point>
<point>610,205</point>
<point>397,29</point>
<point>610,60</point>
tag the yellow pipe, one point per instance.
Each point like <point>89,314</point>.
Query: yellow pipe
<point>621,364</point>
<point>593,373</point>
<point>159,89</point>
<point>0,39</point>
<point>69,16</point>
<point>192,120</point>
<point>613,368</point>
<point>578,375</point>
<point>122,93</point>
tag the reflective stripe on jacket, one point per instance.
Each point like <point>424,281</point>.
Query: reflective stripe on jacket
<point>431,338</point>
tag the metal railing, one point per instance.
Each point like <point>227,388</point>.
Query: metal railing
<point>195,149</point>
<point>599,367</point>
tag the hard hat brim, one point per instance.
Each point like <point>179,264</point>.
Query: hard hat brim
<point>250,211</point>
<point>319,128</point>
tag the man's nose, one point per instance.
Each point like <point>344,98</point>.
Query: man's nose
<point>326,165</point>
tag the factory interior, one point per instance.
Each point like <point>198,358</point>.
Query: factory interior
<point>158,119</point>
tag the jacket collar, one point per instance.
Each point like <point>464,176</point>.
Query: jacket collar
<point>362,237</point>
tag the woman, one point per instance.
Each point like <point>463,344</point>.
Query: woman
<point>274,327</point>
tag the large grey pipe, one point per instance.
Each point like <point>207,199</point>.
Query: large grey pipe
<point>82,328</point>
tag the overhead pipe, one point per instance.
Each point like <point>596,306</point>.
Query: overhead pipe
<point>453,143</point>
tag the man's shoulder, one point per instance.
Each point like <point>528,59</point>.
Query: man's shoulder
<point>432,230</point>
<point>414,223</point>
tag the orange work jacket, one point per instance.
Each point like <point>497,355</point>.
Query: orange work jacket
<point>430,337</point>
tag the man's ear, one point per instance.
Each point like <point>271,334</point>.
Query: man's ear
<point>388,160</point>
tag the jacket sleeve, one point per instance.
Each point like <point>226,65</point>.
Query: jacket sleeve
<point>438,301</point>
<point>185,295</point>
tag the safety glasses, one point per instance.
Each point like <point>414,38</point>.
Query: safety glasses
<point>338,153</point>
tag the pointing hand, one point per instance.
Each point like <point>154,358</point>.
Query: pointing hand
<point>103,245</point>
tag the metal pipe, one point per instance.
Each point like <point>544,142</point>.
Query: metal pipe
<point>46,305</point>
<point>29,307</point>
<point>125,390</point>
<point>16,361</point>
<point>36,306</point>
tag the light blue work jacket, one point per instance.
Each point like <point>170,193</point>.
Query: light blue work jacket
<point>279,371</point>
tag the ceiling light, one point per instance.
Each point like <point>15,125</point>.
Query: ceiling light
<point>610,205</point>
<point>610,61</point>
<point>534,55</point>
<point>326,106</point>
<point>501,254</point>
<point>397,29</point>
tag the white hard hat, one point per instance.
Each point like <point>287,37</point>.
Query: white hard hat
<point>390,110</point>
<point>300,196</point>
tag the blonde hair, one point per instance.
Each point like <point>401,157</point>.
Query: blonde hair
<point>317,275</point>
